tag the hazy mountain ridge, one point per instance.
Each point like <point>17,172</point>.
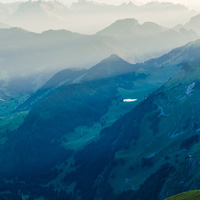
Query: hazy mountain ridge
<point>43,16</point>
<point>149,12</point>
<point>90,116</point>
<point>63,47</point>
<point>60,79</point>
<point>110,67</point>
<point>61,17</point>
<point>45,126</point>
<point>55,45</point>
<point>33,58</point>
<point>194,24</point>
<point>135,38</point>
<point>127,27</point>
<point>163,67</point>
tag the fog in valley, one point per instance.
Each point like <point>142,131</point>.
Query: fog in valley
<point>99,99</point>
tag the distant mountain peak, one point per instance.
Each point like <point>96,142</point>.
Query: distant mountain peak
<point>154,26</point>
<point>156,3</point>
<point>41,3</point>
<point>130,3</point>
<point>194,24</point>
<point>195,18</point>
<point>119,26</point>
<point>131,27</point>
<point>128,20</point>
<point>86,3</point>
<point>111,66</point>
<point>50,1</point>
<point>113,57</point>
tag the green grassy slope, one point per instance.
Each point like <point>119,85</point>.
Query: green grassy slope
<point>10,101</point>
<point>192,195</point>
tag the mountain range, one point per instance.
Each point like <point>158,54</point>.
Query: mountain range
<point>59,16</point>
<point>62,48</point>
<point>110,115</point>
<point>193,24</point>
<point>114,65</point>
<point>126,151</point>
<point>153,11</point>
<point>29,59</point>
<point>42,15</point>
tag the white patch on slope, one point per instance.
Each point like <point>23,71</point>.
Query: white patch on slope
<point>190,89</point>
<point>129,100</point>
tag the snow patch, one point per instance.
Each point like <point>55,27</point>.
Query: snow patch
<point>175,134</point>
<point>129,100</point>
<point>153,155</point>
<point>190,89</point>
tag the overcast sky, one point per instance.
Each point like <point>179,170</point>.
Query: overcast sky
<point>190,3</point>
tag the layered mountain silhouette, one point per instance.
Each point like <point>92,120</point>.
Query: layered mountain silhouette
<point>153,11</point>
<point>28,59</point>
<point>39,15</point>
<point>134,42</point>
<point>193,24</point>
<point>140,156</point>
<point>110,115</point>
<point>161,69</point>
<point>110,67</point>
<point>127,27</point>
<point>34,15</point>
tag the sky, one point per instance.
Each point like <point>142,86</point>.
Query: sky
<point>190,3</point>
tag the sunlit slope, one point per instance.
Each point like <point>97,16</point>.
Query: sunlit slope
<point>192,195</point>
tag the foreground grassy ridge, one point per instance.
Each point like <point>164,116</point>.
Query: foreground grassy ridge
<point>192,195</point>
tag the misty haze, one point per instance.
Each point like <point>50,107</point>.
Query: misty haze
<point>99,100</point>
